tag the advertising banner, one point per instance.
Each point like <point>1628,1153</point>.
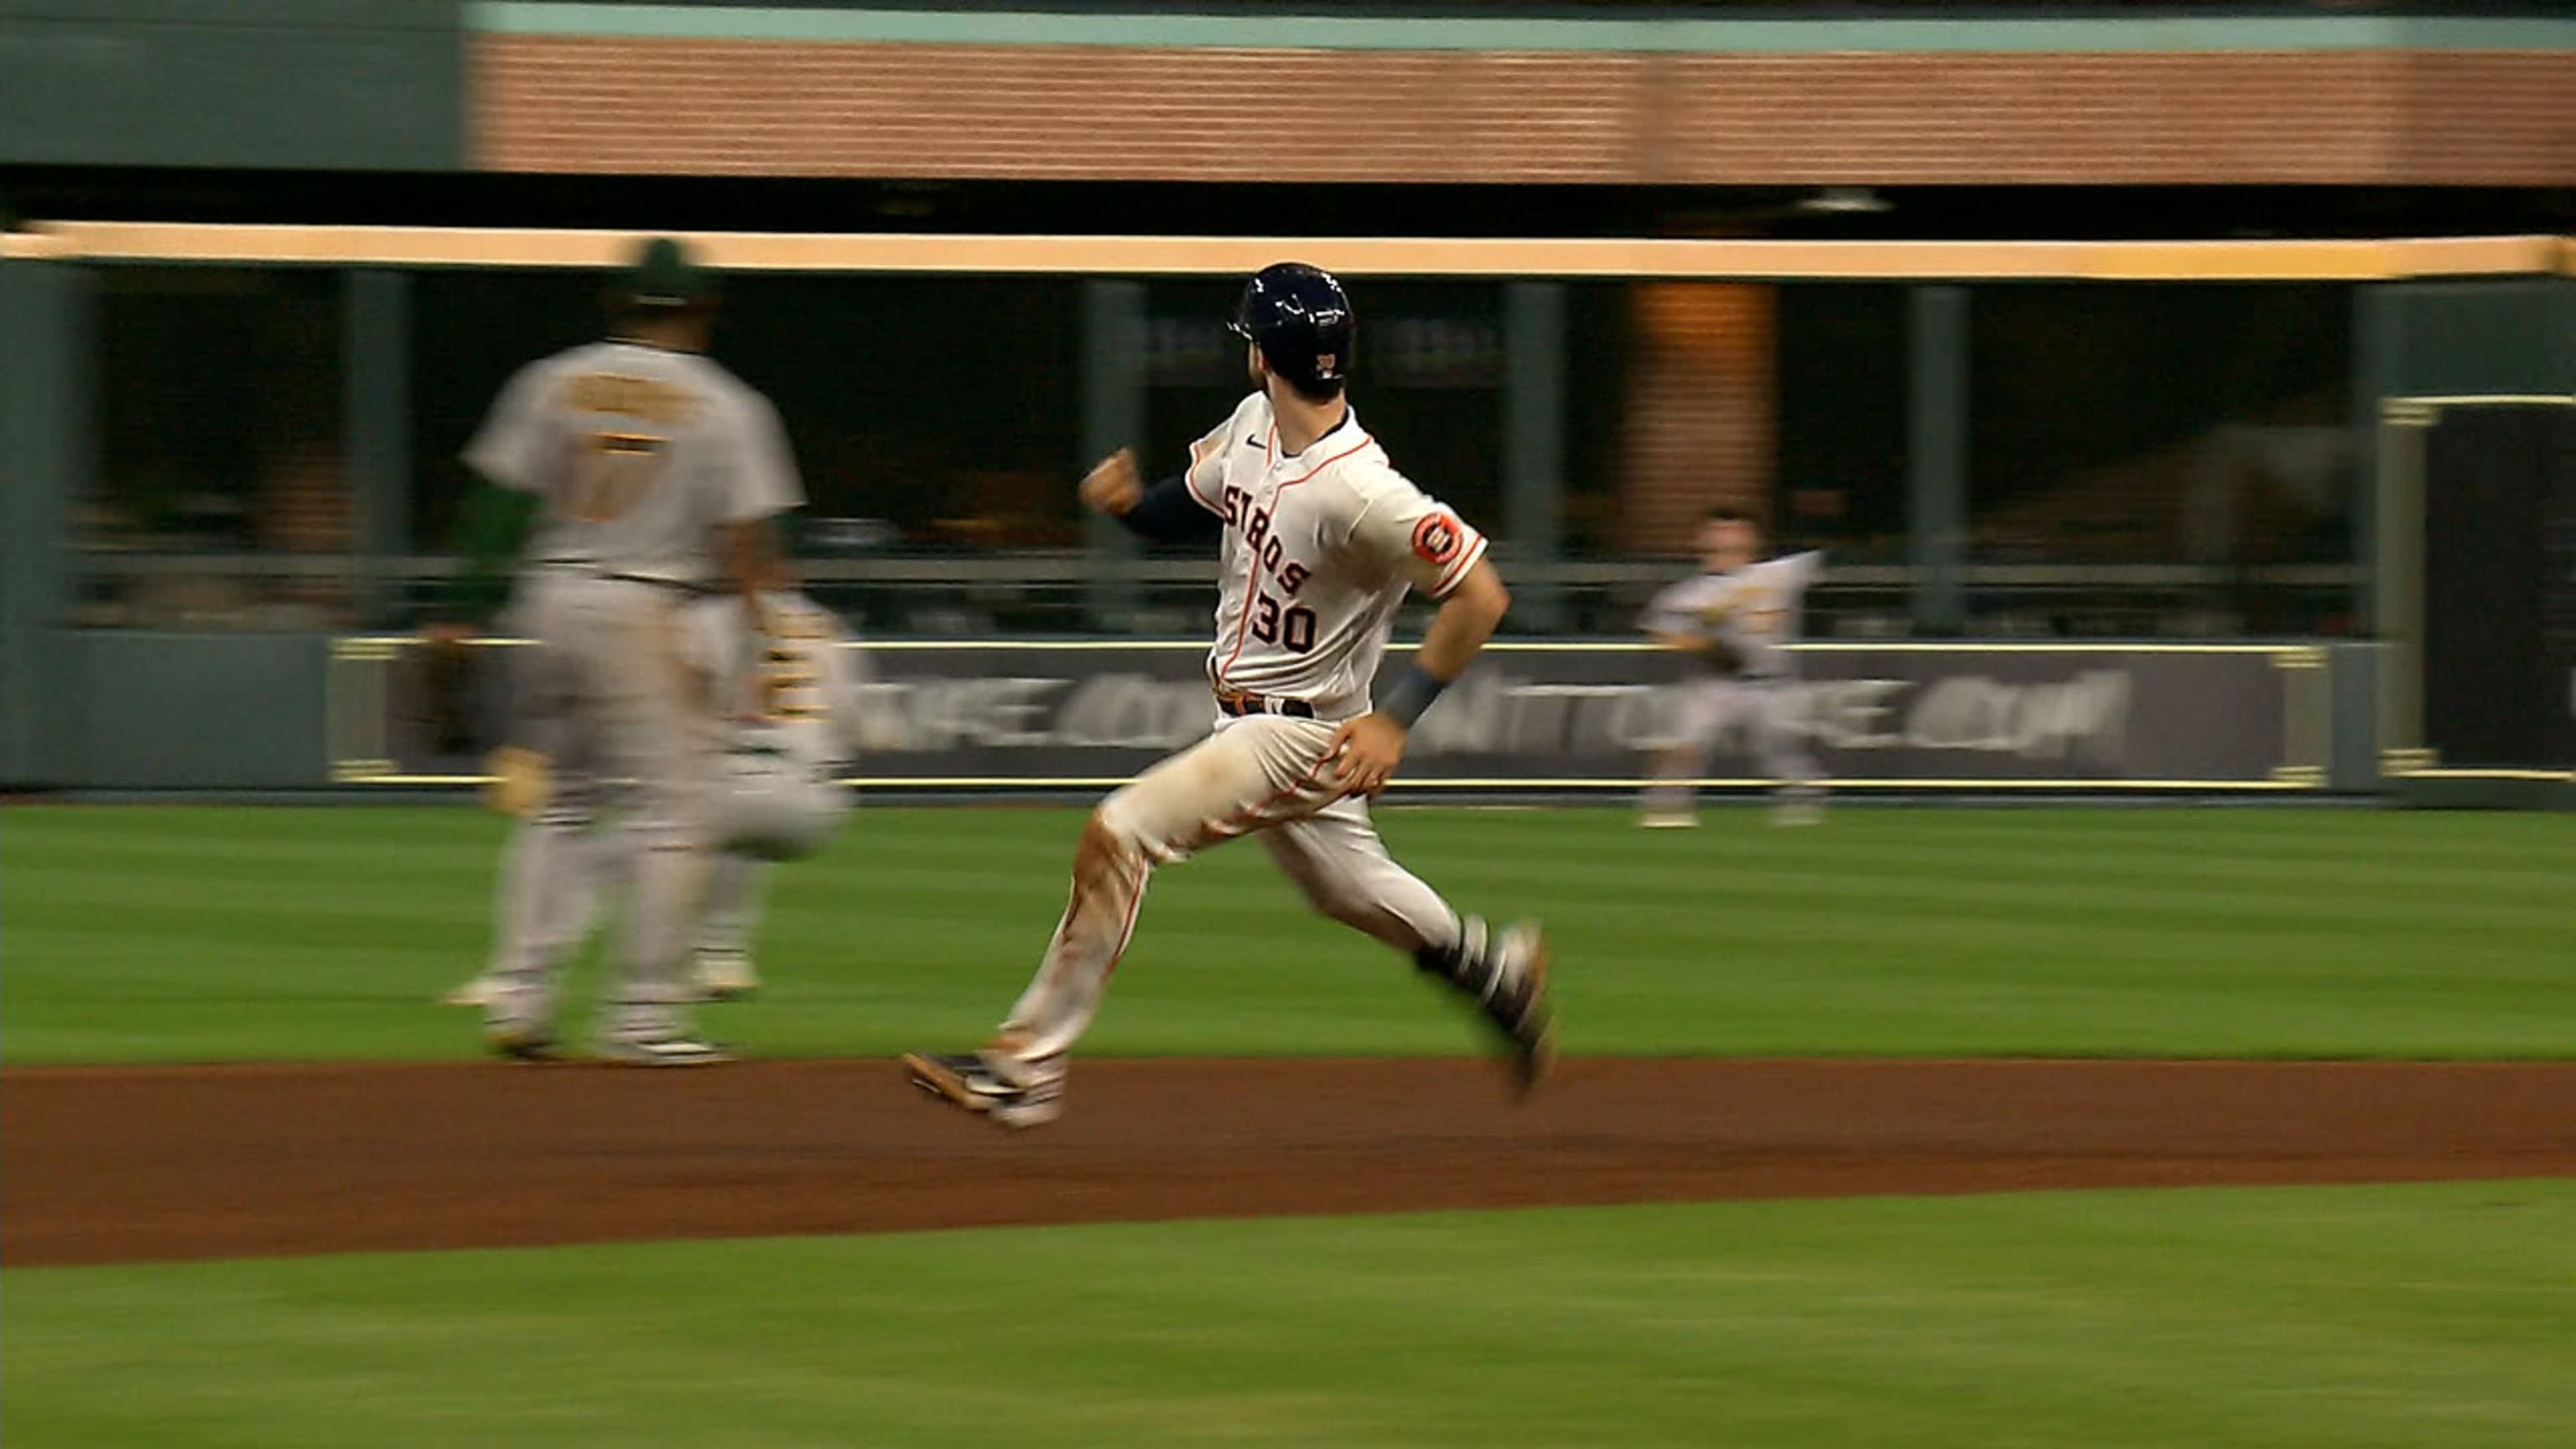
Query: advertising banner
<point>1569,716</point>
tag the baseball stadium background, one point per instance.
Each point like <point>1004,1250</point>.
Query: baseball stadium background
<point>2185,395</point>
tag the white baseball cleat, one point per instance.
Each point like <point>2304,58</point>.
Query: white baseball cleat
<point>477,992</point>
<point>676,1050</point>
<point>725,974</point>
<point>1667,820</point>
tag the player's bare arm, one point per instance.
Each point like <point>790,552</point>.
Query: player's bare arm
<point>1366,750</point>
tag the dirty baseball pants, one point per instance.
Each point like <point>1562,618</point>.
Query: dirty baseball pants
<point>607,692</point>
<point>1711,708</point>
<point>1260,774</point>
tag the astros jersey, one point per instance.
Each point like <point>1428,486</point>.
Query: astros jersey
<point>1319,551</point>
<point>1753,610</point>
<point>801,675</point>
<point>637,452</point>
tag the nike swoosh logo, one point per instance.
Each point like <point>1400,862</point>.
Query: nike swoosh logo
<point>1252,442</point>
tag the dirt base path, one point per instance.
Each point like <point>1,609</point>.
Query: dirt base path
<point>113,1165</point>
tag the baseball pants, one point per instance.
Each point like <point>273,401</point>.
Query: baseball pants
<point>552,874</point>
<point>1260,774</point>
<point>607,688</point>
<point>1712,709</point>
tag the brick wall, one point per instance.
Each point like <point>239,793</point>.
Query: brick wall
<point>590,104</point>
<point>1702,409</point>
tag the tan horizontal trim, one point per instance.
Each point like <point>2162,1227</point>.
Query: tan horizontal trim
<point>2487,399</point>
<point>28,245</point>
<point>1579,646</point>
<point>2568,776</point>
<point>1359,256</point>
<point>1106,782</point>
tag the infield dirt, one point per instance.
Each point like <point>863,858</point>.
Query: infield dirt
<point>129,1164</point>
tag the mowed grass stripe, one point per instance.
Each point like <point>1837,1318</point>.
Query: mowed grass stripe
<point>2427,1317</point>
<point>215,933</point>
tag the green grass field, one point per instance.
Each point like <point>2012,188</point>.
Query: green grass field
<point>2424,1317</point>
<point>223,934</point>
<point>2411,1318</point>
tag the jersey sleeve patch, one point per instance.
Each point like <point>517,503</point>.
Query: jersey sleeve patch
<point>1438,539</point>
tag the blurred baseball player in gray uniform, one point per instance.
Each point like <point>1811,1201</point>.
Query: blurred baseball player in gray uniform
<point>1322,539</point>
<point>1732,622</point>
<point>794,720</point>
<point>644,476</point>
<point>798,721</point>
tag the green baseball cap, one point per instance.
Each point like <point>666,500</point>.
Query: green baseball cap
<point>665,274</point>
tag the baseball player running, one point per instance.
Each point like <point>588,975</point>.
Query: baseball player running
<point>796,719</point>
<point>1732,622</point>
<point>648,472</point>
<point>1321,539</point>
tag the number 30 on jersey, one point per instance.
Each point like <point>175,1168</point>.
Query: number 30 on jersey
<point>1291,627</point>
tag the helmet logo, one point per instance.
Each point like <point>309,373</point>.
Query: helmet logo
<point>1437,539</point>
<point>1325,363</point>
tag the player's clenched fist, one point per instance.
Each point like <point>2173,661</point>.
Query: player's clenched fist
<point>1112,487</point>
<point>1365,752</point>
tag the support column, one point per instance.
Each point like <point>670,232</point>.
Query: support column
<point>1113,417</point>
<point>48,441</point>
<point>1937,458</point>
<point>375,421</point>
<point>2376,342</point>
<point>1534,447</point>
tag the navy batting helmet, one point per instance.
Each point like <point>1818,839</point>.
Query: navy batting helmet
<point>1302,322</point>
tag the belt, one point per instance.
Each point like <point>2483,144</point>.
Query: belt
<point>1239,704</point>
<point>657,583</point>
<point>593,571</point>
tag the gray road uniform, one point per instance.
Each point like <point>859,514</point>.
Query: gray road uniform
<point>776,796</point>
<point>637,454</point>
<point>1753,612</point>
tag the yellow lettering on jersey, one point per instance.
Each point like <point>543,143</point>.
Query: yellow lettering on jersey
<point>632,397</point>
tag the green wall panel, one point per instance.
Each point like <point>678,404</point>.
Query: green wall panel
<point>365,84</point>
<point>200,711</point>
<point>46,432</point>
<point>2434,339</point>
<point>2476,336</point>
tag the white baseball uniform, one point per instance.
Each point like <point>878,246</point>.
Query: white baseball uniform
<point>637,454</point>
<point>1754,612</point>
<point>1319,550</point>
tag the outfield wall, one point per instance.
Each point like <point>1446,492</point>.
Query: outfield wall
<point>186,713</point>
<point>220,713</point>
<point>217,713</point>
<point>108,708</point>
